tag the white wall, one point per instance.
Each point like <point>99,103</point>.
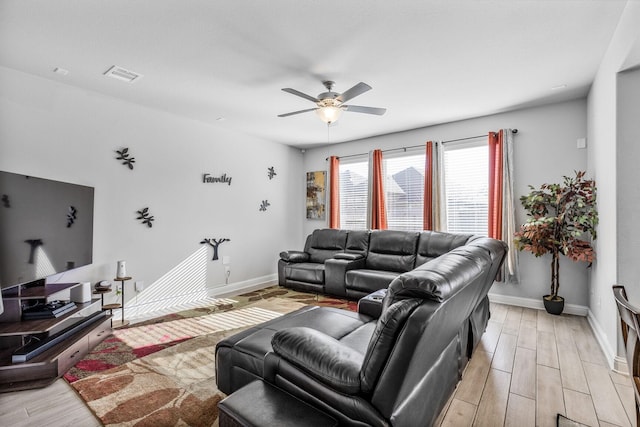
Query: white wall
<point>627,176</point>
<point>603,151</point>
<point>59,132</point>
<point>544,151</point>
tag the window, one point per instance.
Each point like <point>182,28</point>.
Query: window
<point>466,187</point>
<point>404,190</point>
<point>354,183</point>
<point>463,195</point>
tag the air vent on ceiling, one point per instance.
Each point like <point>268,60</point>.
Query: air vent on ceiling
<point>122,74</point>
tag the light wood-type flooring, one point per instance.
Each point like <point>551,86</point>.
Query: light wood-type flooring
<point>529,366</point>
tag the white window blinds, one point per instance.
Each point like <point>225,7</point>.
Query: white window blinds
<point>466,183</point>
<point>354,183</point>
<point>404,189</point>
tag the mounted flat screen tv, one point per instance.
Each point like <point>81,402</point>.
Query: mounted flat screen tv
<point>46,227</point>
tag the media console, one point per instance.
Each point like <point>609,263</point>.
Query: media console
<point>35,352</point>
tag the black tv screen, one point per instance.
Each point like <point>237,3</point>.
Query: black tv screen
<point>46,227</point>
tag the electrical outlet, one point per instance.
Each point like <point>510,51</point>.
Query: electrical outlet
<point>139,286</point>
<point>227,273</point>
<point>226,260</point>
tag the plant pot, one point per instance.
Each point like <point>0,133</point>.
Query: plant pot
<point>553,305</point>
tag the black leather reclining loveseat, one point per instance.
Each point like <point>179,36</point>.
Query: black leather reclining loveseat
<point>396,370</point>
<point>355,263</point>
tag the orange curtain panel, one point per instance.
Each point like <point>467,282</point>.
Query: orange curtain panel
<point>378,210</point>
<point>334,192</point>
<point>502,217</point>
<point>496,142</point>
<point>427,215</point>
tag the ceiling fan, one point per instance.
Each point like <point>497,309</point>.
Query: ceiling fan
<point>331,104</point>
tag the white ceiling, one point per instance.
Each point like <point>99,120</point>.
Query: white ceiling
<point>428,61</point>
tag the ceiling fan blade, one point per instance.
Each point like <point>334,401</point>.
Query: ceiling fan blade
<point>358,89</point>
<point>296,112</point>
<point>300,94</point>
<point>366,110</point>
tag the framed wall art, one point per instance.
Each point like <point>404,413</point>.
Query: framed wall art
<point>316,201</point>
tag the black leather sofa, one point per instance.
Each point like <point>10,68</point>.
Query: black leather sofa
<point>352,264</point>
<point>396,370</point>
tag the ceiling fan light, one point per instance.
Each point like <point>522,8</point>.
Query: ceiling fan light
<point>329,114</point>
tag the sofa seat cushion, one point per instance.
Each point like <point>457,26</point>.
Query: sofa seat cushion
<point>309,272</point>
<point>244,352</point>
<point>368,281</point>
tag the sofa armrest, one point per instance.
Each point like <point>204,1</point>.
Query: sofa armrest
<point>320,356</point>
<point>371,305</point>
<point>294,256</point>
<point>335,271</point>
<point>348,256</point>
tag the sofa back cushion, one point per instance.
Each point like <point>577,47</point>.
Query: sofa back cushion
<point>383,341</point>
<point>357,242</point>
<point>392,250</point>
<point>432,244</point>
<point>325,243</point>
<point>440,278</point>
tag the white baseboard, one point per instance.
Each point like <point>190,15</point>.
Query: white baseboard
<point>615,363</point>
<point>242,287</point>
<point>620,365</point>
<point>577,310</point>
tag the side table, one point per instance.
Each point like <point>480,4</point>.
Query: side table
<point>122,322</point>
<point>108,307</point>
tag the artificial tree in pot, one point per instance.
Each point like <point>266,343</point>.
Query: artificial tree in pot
<point>562,220</point>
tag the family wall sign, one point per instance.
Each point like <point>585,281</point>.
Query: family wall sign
<point>210,179</point>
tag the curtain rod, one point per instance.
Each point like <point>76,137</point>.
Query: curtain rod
<point>420,145</point>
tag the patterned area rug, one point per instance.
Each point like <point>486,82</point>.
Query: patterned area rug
<point>145,338</point>
<point>172,387</point>
<point>164,369</point>
<point>176,385</point>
